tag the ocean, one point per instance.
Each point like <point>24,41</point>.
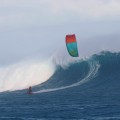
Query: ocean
<point>85,89</point>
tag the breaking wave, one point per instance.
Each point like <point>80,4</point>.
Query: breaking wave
<point>98,68</point>
<point>53,75</point>
<point>21,75</point>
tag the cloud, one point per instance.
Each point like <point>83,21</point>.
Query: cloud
<point>88,8</point>
<point>47,12</point>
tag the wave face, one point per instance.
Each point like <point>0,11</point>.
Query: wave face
<point>100,69</point>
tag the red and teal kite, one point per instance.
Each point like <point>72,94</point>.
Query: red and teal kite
<point>71,44</point>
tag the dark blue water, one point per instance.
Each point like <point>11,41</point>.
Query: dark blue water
<point>64,96</point>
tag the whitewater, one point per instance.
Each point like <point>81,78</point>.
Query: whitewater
<point>24,74</point>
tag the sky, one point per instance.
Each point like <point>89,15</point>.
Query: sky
<point>30,28</point>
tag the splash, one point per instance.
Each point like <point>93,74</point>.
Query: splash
<point>21,75</point>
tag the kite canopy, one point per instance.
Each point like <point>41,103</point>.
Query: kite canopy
<point>71,44</point>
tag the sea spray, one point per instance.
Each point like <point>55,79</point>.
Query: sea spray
<point>21,75</point>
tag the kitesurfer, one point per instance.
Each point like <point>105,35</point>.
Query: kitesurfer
<point>30,90</point>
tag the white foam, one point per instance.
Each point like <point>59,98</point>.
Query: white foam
<point>21,75</point>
